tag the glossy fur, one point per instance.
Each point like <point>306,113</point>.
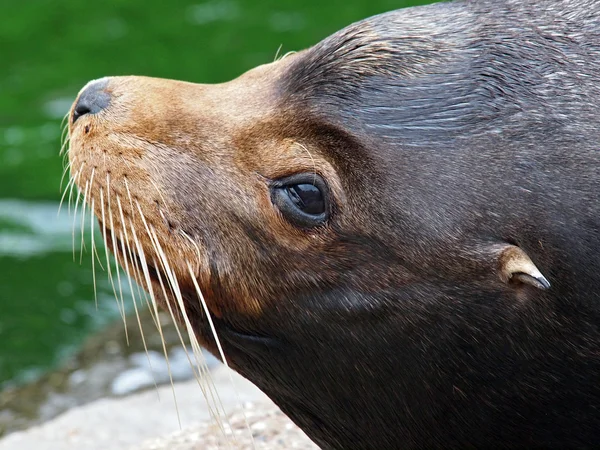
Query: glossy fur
<point>444,133</point>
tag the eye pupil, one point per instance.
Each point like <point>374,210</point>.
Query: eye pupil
<point>307,197</point>
<point>302,199</point>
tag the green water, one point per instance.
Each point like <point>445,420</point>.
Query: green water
<point>48,50</point>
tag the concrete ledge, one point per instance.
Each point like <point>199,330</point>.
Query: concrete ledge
<point>138,421</point>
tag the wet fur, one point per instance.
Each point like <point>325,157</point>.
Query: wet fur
<point>443,132</point>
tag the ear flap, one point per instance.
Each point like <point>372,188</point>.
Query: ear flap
<point>514,264</point>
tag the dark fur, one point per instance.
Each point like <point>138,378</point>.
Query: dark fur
<point>453,127</point>
<point>444,133</point>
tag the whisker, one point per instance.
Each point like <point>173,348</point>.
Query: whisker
<point>65,171</point>
<point>134,261</point>
<point>286,54</point>
<point>163,217</point>
<point>277,53</point>
<point>64,141</point>
<point>135,238</point>
<point>64,137</point>
<point>92,229</point>
<point>312,159</point>
<point>75,220</point>
<point>129,166</point>
<point>219,347</point>
<point>162,199</point>
<point>125,249</point>
<point>120,305</point>
<point>74,177</point>
<point>174,287</point>
<point>141,268</point>
<point>197,351</point>
<point>93,243</point>
<point>122,215</point>
<point>64,130</point>
<point>77,191</point>
<point>64,195</point>
<point>88,191</point>
<point>162,338</point>
<point>159,328</point>
<point>202,374</point>
<point>62,122</point>
<point>129,256</point>
<point>128,193</point>
<point>191,241</point>
<point>63,154</point>
<point>103,231</point>
<point>143,218</point>
<point>199,357</point>
<point>210,383</point>
<point>153,307</point>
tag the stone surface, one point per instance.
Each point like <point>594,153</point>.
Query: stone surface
<point>125,423</point>
<point>255,426</point>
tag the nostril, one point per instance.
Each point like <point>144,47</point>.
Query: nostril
<point>81,109</point>
<point>92,100</point>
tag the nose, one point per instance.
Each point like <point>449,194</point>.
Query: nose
<point>92,100</point>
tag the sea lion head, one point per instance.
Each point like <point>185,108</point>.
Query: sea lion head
<point>394,232</point>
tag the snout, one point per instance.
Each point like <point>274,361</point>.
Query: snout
<point>92,99</point>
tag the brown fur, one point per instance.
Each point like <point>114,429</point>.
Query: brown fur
<point>458,143</point>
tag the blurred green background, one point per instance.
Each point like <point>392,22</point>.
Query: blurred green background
<point>48,50</point>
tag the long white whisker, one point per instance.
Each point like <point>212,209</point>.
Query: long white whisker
<point>121,305</point>
<point>177,294</point>
<point>64,195</point>
<point>93,234</point>
<point>174,285</point>
<point>135,239</point>
<point>74,177</point>
<point>210,383</point>
<point>191,241</point>
<point>103,231</point>
<point>146,275</point>
<point>219,346</point>
<point>75,220</point>
<point>88,191</point>
<point>218,415</point>
<point>202,374</point>
<point>153,307</point>
<point>93,243</point>
<point>64,142</point>
<point>65,171</point>
<point>77,200</point>
<point>64,137</point>
<point>129,256</point>
<point>142,268</point>
<point>128,194</point>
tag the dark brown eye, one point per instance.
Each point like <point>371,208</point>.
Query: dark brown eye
<point>302,199</point>
<point>308,198</point>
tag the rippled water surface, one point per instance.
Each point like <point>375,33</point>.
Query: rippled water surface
<point>49,49</point>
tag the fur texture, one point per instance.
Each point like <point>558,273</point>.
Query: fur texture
<point>445,133</point>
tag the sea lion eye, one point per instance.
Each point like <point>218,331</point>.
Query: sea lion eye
<point>307,197</point>
<point>302,199</point>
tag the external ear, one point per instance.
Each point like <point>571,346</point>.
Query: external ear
<point>514,264</point>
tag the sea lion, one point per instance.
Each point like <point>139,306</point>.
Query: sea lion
<point>396,231</point>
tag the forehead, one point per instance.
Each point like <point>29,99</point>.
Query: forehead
<point>401,76</point>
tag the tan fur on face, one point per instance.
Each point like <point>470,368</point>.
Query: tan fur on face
<point>164,148</point>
